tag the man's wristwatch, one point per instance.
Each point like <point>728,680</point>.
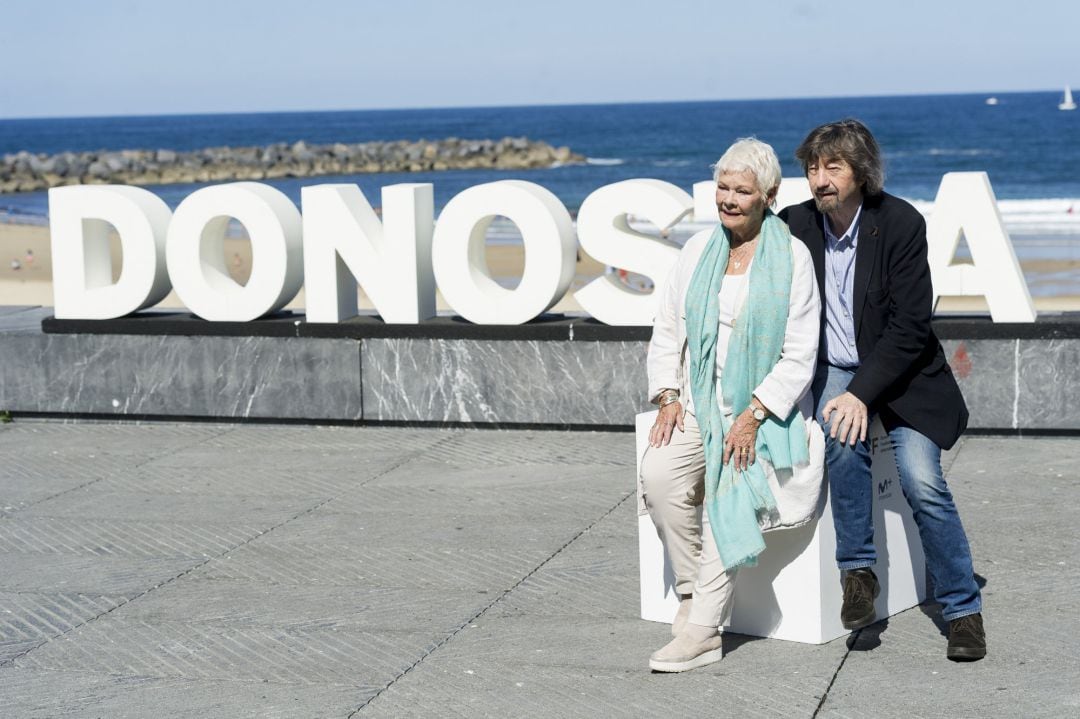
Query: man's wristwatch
<point>759,413</point>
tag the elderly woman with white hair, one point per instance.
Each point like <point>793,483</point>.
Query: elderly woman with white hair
<point>732,357</point>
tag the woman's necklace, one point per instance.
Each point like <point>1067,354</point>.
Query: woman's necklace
<point>737,260</point>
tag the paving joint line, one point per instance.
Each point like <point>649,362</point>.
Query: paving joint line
<point>449,637</point>
<point>832,679</point>
<point>10,661</point>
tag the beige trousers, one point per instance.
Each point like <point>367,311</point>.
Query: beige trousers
<point>673,478</point>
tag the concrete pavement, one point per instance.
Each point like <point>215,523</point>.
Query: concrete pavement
<point>196,570</point>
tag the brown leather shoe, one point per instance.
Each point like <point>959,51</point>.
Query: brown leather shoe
<point>860,589</point>
<point>967,639</point>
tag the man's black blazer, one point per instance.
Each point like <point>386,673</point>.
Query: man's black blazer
<point>902,364</point>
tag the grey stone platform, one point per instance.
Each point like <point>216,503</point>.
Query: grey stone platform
<point>265,571</point>
<point>566,373</point>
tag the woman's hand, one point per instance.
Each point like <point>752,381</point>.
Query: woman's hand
<point>740,441</point>
<point>670,417</point>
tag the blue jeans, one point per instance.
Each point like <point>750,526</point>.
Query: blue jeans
<point>918,463</point>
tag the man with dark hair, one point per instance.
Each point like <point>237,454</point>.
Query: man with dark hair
<point>879,355</point>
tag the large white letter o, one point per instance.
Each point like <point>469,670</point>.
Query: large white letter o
<point>457,252</point>
<point>195,251</point>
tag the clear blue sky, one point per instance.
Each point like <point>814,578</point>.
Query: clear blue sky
<point>120,57</point>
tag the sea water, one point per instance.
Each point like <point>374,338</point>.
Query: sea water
<point>1024,143</point>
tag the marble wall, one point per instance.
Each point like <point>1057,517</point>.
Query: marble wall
<point>533,382</point>
<point>985,371</point>
<point>1009,383</point>
<point>1048,384</point>
<point>227,377</point>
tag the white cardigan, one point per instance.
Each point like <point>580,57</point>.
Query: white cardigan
<point>785,387</point>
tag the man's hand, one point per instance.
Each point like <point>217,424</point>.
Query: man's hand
<point>849,415</point>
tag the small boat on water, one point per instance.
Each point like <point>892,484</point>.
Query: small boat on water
<point>1067,101</point>
<point>991,101</point>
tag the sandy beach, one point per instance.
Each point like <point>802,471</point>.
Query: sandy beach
<point>26,273</point>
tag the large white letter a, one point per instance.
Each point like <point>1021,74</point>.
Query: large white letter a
<point>965,205</point>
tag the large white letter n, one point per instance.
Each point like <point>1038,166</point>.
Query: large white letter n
<point>345,245</point>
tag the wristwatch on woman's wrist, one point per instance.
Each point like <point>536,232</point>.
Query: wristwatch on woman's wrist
<point>758,411</point>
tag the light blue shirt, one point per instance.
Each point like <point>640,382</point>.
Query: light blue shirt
<point>840,294</point>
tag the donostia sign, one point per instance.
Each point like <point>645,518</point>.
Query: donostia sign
<point>339,242</point>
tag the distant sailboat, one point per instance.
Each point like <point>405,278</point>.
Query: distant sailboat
<point>1067,102</point>
<point>991,101</point>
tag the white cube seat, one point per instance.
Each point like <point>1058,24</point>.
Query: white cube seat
<point>795,591</point>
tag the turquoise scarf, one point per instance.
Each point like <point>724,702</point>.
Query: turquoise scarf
<point>734,500</point>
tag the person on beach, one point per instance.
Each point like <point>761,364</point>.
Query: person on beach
<point>730,364</point>
<point>879,356</point>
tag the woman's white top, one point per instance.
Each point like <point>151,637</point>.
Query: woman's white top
<point>787,386</point>
<point>728,299</point>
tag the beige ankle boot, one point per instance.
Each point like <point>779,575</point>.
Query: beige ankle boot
<point>681,616</point>
<point>696,646</point>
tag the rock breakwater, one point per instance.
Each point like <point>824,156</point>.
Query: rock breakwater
<point>28,172</point>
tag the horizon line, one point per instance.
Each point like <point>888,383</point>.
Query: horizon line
<point>500,106</point>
